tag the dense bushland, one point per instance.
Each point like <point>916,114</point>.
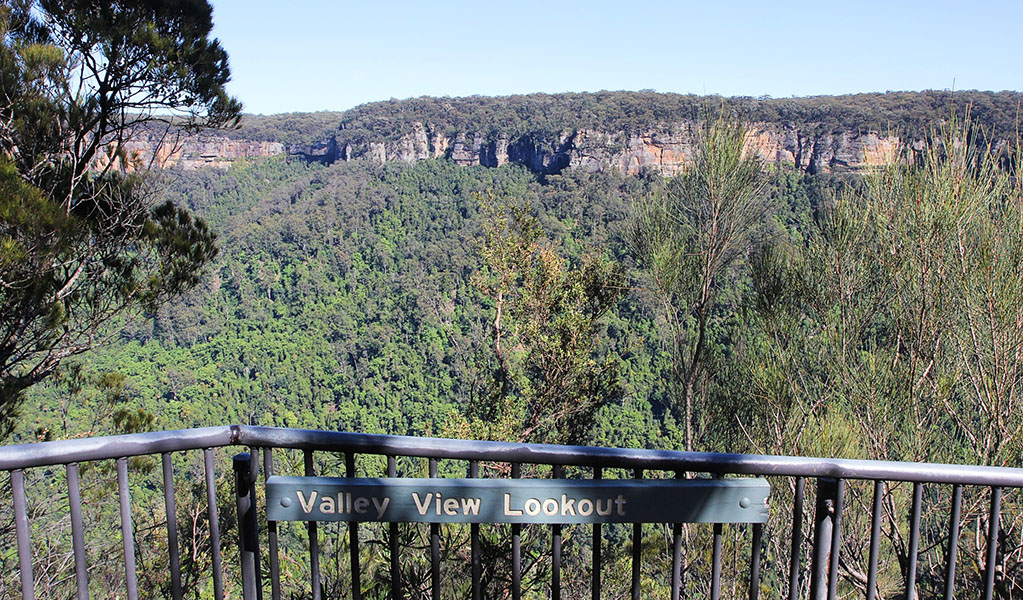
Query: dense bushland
<point>874,318</point>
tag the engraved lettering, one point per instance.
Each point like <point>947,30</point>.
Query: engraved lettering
<point>550,507</point>
<point>532,507</point>
<point>508,509</point>
<point>381,506</point>
<point>451,506</point>
<point>327,505</point>
<point>567,505</point>
<point>361,504</point>
<point>421,506</point>
<point>307,507</point>
<point>471,506</point>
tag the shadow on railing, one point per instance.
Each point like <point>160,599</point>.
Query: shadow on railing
<point>878,529</point>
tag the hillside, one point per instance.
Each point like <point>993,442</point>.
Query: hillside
<point>344,290</point>
<point>627,132</point>
<point>862,315</point>
<point>343,298</point>
<point>622,132</point>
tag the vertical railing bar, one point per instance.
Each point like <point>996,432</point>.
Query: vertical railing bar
<point>914,541</point>
<point>557,472</point>
<point>797,538</point>
<point>314,534</point>
<point>271,533</point>
<point>24,541</point>
<point>754,569</point>
<point>836,540</point>
<point>170,505</point>
<point>474,543</point>
<point>598,473</point>
<point>516,472</point>
<point>248,530</point>
<point>953,540</point>
<point>992,541</point>
<point>676,554</point>
<point>392,471</point>
<point>254,454</point>
<point>353,537</point>
<point>213,516</point>
<point>127,535</point>
<point>74,496</point>
<point>875,539</point>
<point>434,545</point>
<point>637,548</point>
<point>253,479</point>
<point>824,525</point>
<point>715,583</point>
<point>676,562</point>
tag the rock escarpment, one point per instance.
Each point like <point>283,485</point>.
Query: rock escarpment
<point>622,132</point>
<point>188,152</point>
<point>663,151</point>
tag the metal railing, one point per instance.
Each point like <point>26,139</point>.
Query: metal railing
<point>818,541</point>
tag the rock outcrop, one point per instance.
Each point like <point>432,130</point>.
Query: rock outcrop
<point>188,152</point>
<point>622,132</point>
<point>664,151</point>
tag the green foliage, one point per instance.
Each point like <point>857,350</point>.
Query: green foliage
<point>548,375</point>
<point>900,308</point>
<point>346,301</point>
<point>361,297</point>
<point>137,58</point>
<point>892,331</point>
<point>288,128</point>
<point>689,245</point>
<point>81,246</point>
<point>545,116</point>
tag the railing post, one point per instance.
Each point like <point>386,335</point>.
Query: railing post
<point>824,526</point>
<point>248,532</point>
<point>24,543</point>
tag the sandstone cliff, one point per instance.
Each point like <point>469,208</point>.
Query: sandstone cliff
<point>190,152</point>
<point>663,151</point>
<point>623,132</point>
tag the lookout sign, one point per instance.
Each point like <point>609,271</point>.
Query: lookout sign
<point>517,500</point>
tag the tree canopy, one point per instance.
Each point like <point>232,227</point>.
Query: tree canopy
<point>80,241</point>
<point>909,114</point>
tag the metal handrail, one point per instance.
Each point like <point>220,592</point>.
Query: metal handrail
<point>66,451</point>
<point>830,475</point>
<point>59,452</point>
<point>668,460</point>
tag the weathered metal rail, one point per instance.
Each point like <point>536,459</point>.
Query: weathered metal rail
<point>830,476</point>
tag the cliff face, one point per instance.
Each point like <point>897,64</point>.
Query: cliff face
<point>190,152</point>
<point>664,151</point>
<point>623,132</point>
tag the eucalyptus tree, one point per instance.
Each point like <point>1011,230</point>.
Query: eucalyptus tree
<point>897,324</point>
<point>81,242</point>
<point>690,242</point>
<point>547,370</point>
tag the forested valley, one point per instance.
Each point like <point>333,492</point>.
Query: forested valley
<point>345,299</point>
<point>740,307</point>
<point>359,296</point>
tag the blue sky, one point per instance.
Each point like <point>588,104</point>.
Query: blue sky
<point>308,55</point>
